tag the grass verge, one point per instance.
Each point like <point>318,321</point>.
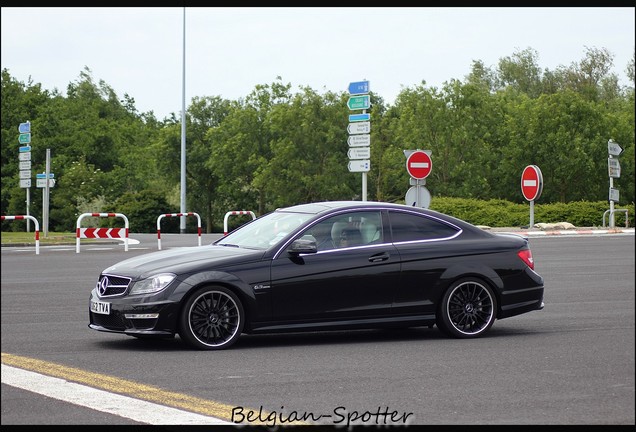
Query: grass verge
<point>28,238</point>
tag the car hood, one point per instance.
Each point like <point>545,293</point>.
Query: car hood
<point>184,259</point>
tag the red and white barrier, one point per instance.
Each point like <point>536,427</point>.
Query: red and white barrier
<point>114,233</point>
<point>236,212</point>
<point>177,215</point>
<point>37,228</point>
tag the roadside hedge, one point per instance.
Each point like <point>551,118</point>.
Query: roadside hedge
<point>501,213</point>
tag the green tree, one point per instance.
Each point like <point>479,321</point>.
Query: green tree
<point>309,151</point>
<point>143,208</point>
<point>521,71</point>
<point>20,103</point>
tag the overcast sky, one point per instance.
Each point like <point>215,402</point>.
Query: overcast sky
<point>228,51</point>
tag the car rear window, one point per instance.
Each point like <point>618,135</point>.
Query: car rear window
<point>412,227</point>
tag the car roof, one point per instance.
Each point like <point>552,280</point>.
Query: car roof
<point>327,206</point>
<point>320,207</point>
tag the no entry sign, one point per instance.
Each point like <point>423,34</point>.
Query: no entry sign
<point>419,165</point>
<point>531,182</point>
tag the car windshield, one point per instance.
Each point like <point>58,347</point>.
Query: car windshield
<point>265,231</point>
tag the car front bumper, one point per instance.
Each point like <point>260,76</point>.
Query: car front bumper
<point>135,316</point>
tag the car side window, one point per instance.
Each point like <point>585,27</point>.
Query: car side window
<point>411,227</point>
<point>352,229</point>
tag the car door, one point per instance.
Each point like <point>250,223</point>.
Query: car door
<point>356,281</point>
<point>426,249</point>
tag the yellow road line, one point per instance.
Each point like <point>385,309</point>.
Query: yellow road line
<point>127,388</point>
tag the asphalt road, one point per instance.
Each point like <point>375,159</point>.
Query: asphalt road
<point>570,364</point>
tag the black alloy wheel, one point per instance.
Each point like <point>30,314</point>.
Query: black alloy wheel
<point>468,309</point>
<point>212,318</point>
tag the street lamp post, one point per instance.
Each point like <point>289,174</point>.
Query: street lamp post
<point>182,225</point>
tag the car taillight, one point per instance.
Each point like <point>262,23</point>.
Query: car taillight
<point>526,257</point>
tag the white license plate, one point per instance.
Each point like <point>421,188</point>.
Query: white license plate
<point>99,307</point>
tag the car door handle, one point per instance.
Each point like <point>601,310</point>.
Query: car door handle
<point>379,257</point>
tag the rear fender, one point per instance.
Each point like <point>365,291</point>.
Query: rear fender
<point>459,270</point>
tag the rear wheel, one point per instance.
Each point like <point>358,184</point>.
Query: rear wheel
<point>468,309</point>
<point>212,318</point>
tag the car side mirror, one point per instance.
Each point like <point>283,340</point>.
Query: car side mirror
<point>303,246</point>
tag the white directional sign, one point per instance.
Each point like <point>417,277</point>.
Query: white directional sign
<point>614,148</point>
<point>25,156</point>
<point>359,152</point>
<point>614,168</point>
<point>25,183</point>
<point>24,174</point>
<point>614,194</point>
<point>359,165</point>
<point>41,182</point>
<point>359,128</point>
<point>25,165</point>
<point>359,140</point>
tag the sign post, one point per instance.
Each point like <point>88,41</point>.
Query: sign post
<point>614,170</point>
<point>24,129</point>
<point>359,128</point>
<point>531,187</point>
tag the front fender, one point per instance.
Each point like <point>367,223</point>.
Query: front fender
<point>229,280</point>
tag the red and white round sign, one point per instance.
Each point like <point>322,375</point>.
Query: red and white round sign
<point>531,182</point>
<point>419,165</point>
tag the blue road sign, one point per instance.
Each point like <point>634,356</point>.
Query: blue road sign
<point>24,128</point>
<point>359,117</point>
<point>360,87</point>
<point>43,175</point>
<point>25,149</point>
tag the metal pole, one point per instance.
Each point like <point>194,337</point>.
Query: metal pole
<point>531,214</point>
<point>182,225</point>
<point>364,186</point>
<point>611,217</point>
<point>28,194</point>
<point>28,204</point>
<point>417,194</point>
<point>46,191</point>
<point>364,175</point>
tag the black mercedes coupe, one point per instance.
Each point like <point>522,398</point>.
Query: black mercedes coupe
<point>323,266</point>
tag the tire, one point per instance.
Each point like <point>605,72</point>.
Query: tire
<point>212,318</point>
<point>468,309</point>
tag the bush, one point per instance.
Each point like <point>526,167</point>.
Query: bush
<point>500,213</point>
<point>142,210</point>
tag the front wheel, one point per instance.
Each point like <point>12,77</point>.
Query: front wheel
<point>468,309</point>
<point>212,318</point>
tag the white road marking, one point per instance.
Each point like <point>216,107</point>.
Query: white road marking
<point>100,400</point>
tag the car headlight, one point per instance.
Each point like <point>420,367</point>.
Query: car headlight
<point>152,284</point>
